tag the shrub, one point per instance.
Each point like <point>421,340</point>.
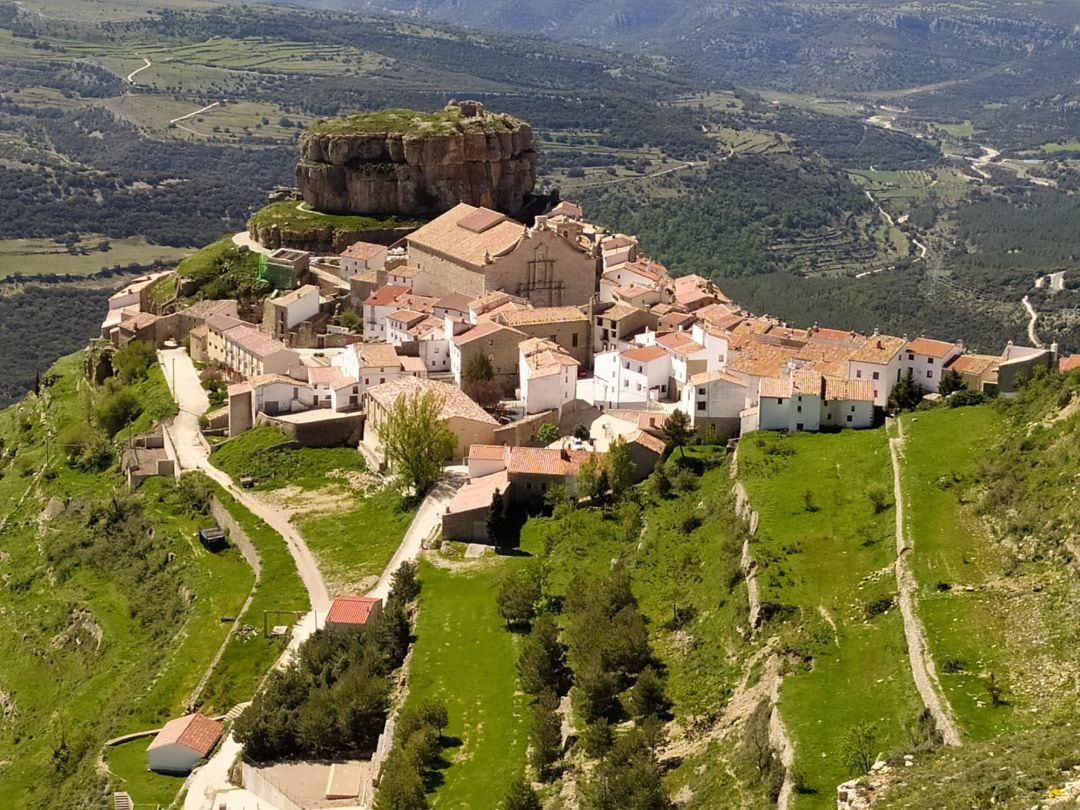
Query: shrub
<point>548,433</point>
<point>875,607</point>
<point>878,497</point>
<point>117,410</point>
<point>131,362</point>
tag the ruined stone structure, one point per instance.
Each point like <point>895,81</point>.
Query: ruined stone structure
<point>410,164</point>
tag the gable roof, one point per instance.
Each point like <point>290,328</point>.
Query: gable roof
<point>378,355</point>
<point>706,377</point>
<point>545,461</point>
<point>487,328</point>
<point>679,343</point>
<point>455,402</point>
<point>468,235</point>
<point>973,363</point>
<point>363,250</point>
<point>541,315</point>
<point>255,342</point>
<point>352,609</point>
<point>644,354</point>
<point>878,349</point>
<point>195,732</point>
<point>930,348</point>
<point>488,452</point>
<point>385,295</point>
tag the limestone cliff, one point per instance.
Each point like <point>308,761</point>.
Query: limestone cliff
<point>405,163</point>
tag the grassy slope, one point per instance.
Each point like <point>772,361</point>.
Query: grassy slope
<point>354,546</point>
<point>464,656</point>
<point>985,485</point>
<point>683,553</point>
<point>813,562</point>
<point>127,763</point>
<point>280,589</point>
<point>70,697</point>
<point>269,457</point>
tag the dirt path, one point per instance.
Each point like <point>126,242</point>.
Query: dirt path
<point>1034,316</point>
<point>923,671</point>
<point>131,76</point>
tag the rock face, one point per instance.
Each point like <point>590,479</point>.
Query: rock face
<point>422,170</point>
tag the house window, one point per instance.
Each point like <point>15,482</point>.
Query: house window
<point>828,416</point>
<point>929,361</point>
<point>779,400</point>
<point>625,383</point>
<point>599,321</point>
<point>367,381</point>
<point>875,375</point>
<point>701,392</point>
<point>626,364</point>
<point>798,425</point>
<point>875,393</point>
<point>929,374</point>
<point>296,393</point>
<point>701,406</point>
<point>639,386</point>
<point>800,397</point>
<point>799,409</point>
<point>853,409</point>
<point>849,417</point>
<point>910,356</point>
<point>382,380</point>
<point>858,374</point>
<point>573,340</point>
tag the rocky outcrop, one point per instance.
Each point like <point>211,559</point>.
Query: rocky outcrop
<point>322,240</point>
<point>418,171</point>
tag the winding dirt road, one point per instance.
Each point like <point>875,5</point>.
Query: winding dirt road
<point>131,76</point>
<point>1034,316</point>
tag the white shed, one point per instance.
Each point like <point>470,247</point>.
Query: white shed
<point>180,745</point>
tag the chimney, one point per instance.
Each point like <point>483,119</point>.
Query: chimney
<point>564,454</point>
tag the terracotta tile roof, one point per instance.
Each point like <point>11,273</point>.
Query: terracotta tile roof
<point>673,321</point>
<point>412,365</point>
<point>195,732</point>
<point>407,317</point>
<point>270,379</point>
<point>325,375</point>
<point>455,402</point>
<point>854,339</point>
<point>566,209</point>
<point>973,363</point>
<point>647,440</point>
<point>930,348</point>
<point>761,359</point>
<point>403,271</point>
<point>774,387</point>
<point>417,303</point>
<point>223,323</point>
<point>706,377</point>
<point>363,251</point>
<point>385,296</point>
<point>487,329</point>
<point>544,358</point>
<point>352,609</point>
<point>488,452</point>
<point>632,290</point>
<point>852,390</point>
<point>541,315</point>
<point>378,355</point>
<point>545,461</point>
<point>651,421</point>
<point>644,354</point>
<point>620,311</point>
<point>807,381</point>
<point>468,235</point>
<point>647,268</point>
<point>619,240</point>
<point>477,493</point>
<point>254,342</point>
<point>458,302</point>
<point>878,349</point>
<point>298,294</point>
<point>680,343</point>
<point>210,306</point>
<point>1069,363</point>
<point>426,327</point>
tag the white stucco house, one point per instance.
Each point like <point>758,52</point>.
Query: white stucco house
<point>926,360</point>
<point>182,743</point>
<point>360,257</point>
<point>547,375</point>
<point>631,378</point>
<point>810,401</point>
<point>714,398</point>
<point>877,361</point>
<point>377,308</point>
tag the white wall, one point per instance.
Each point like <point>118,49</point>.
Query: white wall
<point>173,758</point>
<point>303,309</point>
<point>848,414</point>
<point>717,399</point>
<point>549,392</point>
<point>884,381</point>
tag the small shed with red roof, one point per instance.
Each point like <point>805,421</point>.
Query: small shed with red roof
<point>353,611</point>
<point>180,745</point>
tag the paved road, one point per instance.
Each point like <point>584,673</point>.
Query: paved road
<point>428,517</point>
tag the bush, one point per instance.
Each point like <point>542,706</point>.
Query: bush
<point>131,362</point>
<point>117,410</point>
<point>548,433</point>
<point>875,607</point>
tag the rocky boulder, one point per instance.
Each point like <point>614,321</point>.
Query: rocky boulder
<point>409,164</point>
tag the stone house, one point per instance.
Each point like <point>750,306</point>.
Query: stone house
<point>473,251</point>
<point>470,423</point>
<point>499,343</point>
<point>615,325</point>
<point>568,327</point>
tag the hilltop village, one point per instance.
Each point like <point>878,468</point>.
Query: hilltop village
<point>546,341</point>
<point>565,321</point>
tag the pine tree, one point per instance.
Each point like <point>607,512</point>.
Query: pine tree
<point>619,467</point>
<point>521,796</point>
<point>545,736</point>
<point>541,665</point>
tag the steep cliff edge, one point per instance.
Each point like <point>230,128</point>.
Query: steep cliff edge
<point>413,164</point>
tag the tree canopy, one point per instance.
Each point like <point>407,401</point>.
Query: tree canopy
<point>417,440</point>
